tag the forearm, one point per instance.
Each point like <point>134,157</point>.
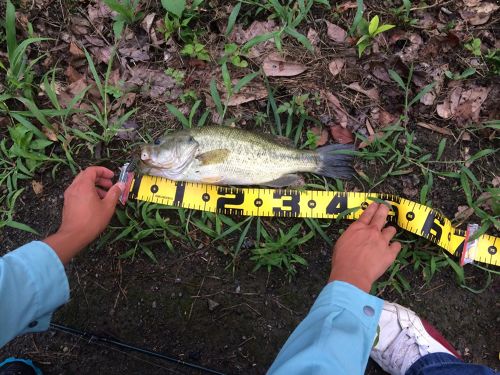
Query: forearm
<point>335,337</point>
<point>66,245</point>
<point>32,285</point>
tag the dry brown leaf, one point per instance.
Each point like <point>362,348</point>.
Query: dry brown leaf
<point>370,139</point>
<point>371,93</point>
<point>37,187</point>
<point>336,66</point>
<point>341,135</point>
<point>241,36</point>
<point>147,22</point>
<point>80,25</point>
<point>496,181</point>
<point>386,118</point>
<point>340,112</point>
<point>463,105</point>
<point>252,91</point>
<point>275,65</point>
<point>346,6</point>
<point>153,83</point>
<point>478,14</point>
<point>72,74</point>
<point>77,87</point>
<point>321,135</point>
<point>463,213</point>
<point>435,128</point>
<point>101,54</point>
<point>313,37</point>
<point>98,13</point>
<point>335,33</point>
<point>76,51</point>
<point>50,133</point>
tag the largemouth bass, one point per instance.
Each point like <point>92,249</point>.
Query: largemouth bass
<point>231,156</point>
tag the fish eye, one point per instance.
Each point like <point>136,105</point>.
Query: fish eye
<point>191,139</point>
<point>157,141</point>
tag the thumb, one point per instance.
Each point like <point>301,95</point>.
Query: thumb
<point>114,194</point>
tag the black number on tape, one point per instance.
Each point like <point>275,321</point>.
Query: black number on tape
<point>292,203</point>
<point>337,205</point>
<point>433,227</point>
<point>222,202</point>
<point>180,188</point>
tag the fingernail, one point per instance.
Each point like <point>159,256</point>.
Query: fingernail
<point>121,185</point>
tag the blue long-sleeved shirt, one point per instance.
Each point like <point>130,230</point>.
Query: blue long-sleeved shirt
<point>32,285</point>
<point>335,337</point>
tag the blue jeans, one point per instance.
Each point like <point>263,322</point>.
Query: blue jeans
<point>446,364</point>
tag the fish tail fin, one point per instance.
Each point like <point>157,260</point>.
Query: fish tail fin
<point>335,161</point>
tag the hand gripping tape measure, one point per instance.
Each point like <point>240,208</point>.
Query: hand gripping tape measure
<point>408,215</point>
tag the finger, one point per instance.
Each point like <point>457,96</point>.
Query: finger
<point>101,193</point>
<point>368,213</point>
<point>380,216</point>
<point>395,248</point>
<point>388,233</point>
<point>113,194</point>
<point>91,174</point>
<point>104,182</point>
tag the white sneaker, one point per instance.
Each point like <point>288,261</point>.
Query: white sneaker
<point>403,338</point>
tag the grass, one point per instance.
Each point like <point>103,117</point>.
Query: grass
<point>31,104</point>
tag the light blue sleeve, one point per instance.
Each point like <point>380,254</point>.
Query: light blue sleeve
<point>32,285</point>
<point>336,336</point>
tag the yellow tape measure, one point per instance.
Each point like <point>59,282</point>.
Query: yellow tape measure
<point>408,215</point>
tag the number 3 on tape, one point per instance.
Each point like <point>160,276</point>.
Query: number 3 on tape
<point>408,215</point>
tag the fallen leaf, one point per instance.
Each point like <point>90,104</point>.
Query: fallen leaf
<point>241,36</point>
<point>335,33</point>
<point>313,37</point>
<point>463,213</point>
<point>128,131</point>
<point>98,13</point>
<point>336,66</point>
<point>77,87</point>
<point>371,93</point>
<point>478,14</point>
<point>153,83</point>
<point>340,112</point>
<point>72,74</point>
<point>386,118</point>
<point>147,22</point>
<point>37,187</point>
<point>437,76</point>
<point>79,25</point>
<point>252,91</point>
<point>410,52</point>
<point>346,6</point>
<point>371,139</point>
<point>464,105</point>
<point>341,135</point>
<point>101,54</point>
<point>50,133</point>
<point>435,128</point>
<point>496,181</point>
<point>321,135</point>
<point>76,51</point>
<point>275,65</point>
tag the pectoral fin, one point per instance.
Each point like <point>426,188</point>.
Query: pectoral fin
<point>213,157</point>
<point>286,180</point>
<point>212,180</point>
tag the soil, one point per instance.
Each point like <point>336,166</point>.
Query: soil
<point>191,305</point>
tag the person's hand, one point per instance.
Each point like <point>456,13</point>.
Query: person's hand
<point>364,251</point>
<point>89,204</point>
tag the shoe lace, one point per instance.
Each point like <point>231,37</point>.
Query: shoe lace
<point>403,352</point>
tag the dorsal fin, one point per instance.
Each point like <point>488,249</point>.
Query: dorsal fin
<point>279,139</point>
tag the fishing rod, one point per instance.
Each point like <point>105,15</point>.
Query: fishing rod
<point>96,338</point>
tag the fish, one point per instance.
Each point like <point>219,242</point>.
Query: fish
<point>223,155</point>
